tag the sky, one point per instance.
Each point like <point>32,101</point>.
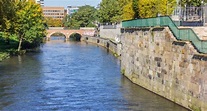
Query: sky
<point>65,3</point>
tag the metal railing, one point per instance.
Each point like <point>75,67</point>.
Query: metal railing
<point>109,26</point>
<point>186,34</point>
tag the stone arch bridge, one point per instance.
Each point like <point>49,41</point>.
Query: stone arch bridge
<point>67,33</point>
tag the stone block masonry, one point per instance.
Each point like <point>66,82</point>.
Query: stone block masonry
<point>114,47</point>
<point>155,60</point>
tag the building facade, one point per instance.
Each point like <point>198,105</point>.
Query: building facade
<point>54,12</point>
<point>72,9</point>
<point>41,2</point>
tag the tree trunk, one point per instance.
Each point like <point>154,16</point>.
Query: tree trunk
<point>20,44</point>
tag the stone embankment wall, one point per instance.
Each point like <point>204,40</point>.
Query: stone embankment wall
<point>155,60</point>
<point>115,48</point>
<point>111,33</point>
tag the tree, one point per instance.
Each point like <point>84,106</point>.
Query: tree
<point>84,17</point>
<point>110,11</point>
<point>51,22</point>
<point>148,8</point>
<point>122,4</point>
<point>128,11</point>
<point>135,8</point>
<point>166,7</point>
<point>196,3</point>
<point>29,22</point>
<point>7,15</point>
<point>21,21</point>
<point>66,20</point>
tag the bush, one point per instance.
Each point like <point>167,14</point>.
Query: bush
<point>3,55</point>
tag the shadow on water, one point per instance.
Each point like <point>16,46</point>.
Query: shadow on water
<point>75,37</point>
<point>145,100</point>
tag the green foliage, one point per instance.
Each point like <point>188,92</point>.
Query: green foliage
<point>110,11</point>
<point>192,2</point>
<point>166,7</point>
<point>30,24</point>
<point>122,3</point>
<point>148,8</point>
<point>84,17</point>
<point>66,20</point>
<point>122,71</point>
<point>21,21</point>
<point>135,7</point>
<point>51,22</point>
<point>3,55</point>
<point>7,12</point>
<point>128,12</point>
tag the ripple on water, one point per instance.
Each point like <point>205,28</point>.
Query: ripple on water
<point>72,77</point>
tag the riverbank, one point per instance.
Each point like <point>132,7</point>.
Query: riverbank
<point>4,55</point>
<point>113,47</point>
<point>116,48</point>
<point>13,52</point>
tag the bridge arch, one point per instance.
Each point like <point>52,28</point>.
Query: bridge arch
<point>57,33</point>
<point>75,36</point>
<point>68,33</point>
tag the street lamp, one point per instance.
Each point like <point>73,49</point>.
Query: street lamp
<point>202,12</point>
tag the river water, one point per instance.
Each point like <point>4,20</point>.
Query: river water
<point>72,76</point>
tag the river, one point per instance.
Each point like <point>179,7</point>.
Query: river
<point>72,76</point>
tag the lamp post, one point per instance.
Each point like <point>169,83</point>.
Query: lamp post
<point>181,16</point>
<point>202,12</point>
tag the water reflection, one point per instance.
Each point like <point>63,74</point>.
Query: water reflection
<point>72,76</point>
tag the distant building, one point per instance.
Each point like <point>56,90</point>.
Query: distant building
<point>54,12</point>
<point>41,2</point>
<point>72,9</point>
<point>98,6</point>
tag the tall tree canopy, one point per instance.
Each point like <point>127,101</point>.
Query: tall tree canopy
<point>84,17</point>
<point>51,22</point>
<point>30,23</point>
<point>7,18</point>
<point>148,8</point>
<point>110,11</point>
<point>118,10</point>
<point>128,11</point>
<point>24,20</point>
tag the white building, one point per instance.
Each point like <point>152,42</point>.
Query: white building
<point>72,9</point>
<point>41,2</point>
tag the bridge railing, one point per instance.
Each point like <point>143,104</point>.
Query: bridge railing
<point>186,34</point>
